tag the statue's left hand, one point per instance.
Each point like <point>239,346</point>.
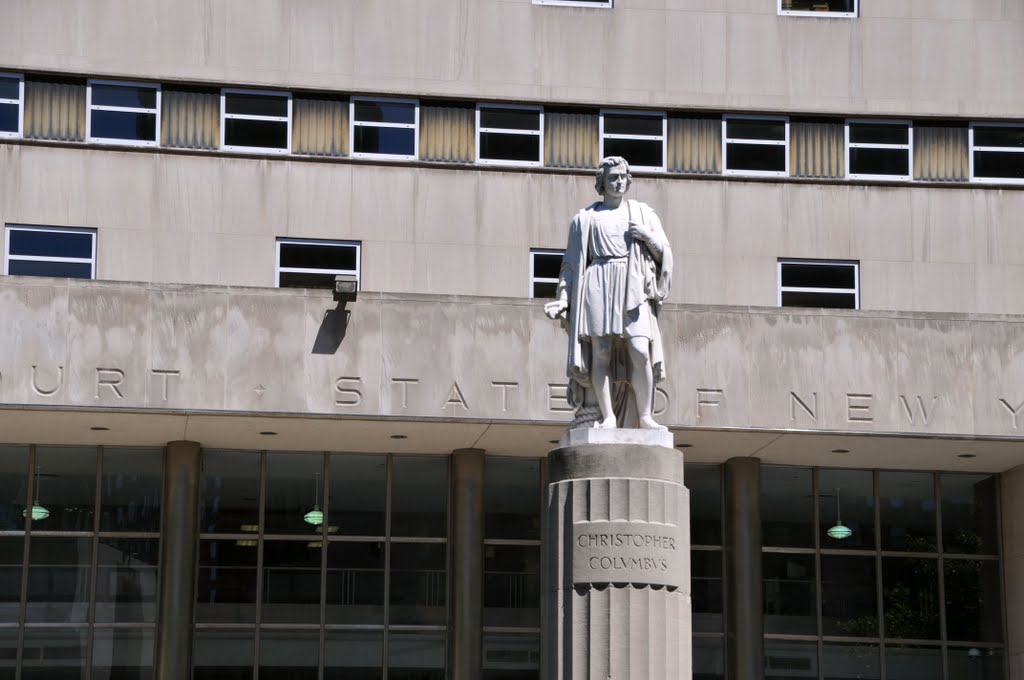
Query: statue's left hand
<point>641,232</point>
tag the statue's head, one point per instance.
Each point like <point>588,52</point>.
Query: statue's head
<point>608,164</point>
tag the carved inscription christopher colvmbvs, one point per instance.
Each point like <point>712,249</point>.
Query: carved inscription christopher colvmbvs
<point>626,552</point>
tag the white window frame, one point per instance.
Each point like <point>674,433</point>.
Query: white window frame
<point>534,279</point>
<point>415,126</point>
<point>820,263</point>
<point>90,107</point>
<point>762,142</point>
<point>224,116</point>
<point>821,15</point>
<point>909,146</point>
<point>663,138</point>
<point>20,102</point>
<point>91,260</point>
<point>512,132</point>
<point>603,4</point>
<point>278,269</point>
<point>971,149</point>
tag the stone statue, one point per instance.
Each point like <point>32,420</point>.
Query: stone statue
<point>616,272</point>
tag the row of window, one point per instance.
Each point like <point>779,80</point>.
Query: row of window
<point>259,121</point>
<point>313,263</point>
<point>836,8</point>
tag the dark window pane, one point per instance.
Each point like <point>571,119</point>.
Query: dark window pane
<point>306,280</point>
<point>706,589</point>
<point>59,572</point>
<point>230,492</point>
<point>11,553</point>
<point>353,655</point>
<point>618,124</point>
<point>858,660</point>
<point>509,147</point>
<point>294,489</point>
<point>126,580</point>
<point>9,88</point>
<point>385,112</point>
<point>856,508</point>
<point>358,494</point>
<point>908,511</point>
<point>223,655</point>
<point>256,105</point>
<point>226,591</point>
<point>69,270</point>
<point>790,660</point>
<point>382,140</point>
<point>879,133</point>
<point>849,605</point>
<point>809,275</point>
<point>318,256</point>
<point>289,655</point>
<point>43,646</point>
<point>756,157</point>
<point>880,161</point>
<point>973,600</point>
<point>705,485</point>
<point>771,130</point>
<point>968,663</point>
<point>124,125</point>
<point>512,586</point>
<point>509,119</point>
<point>999,136</point>
<point>8,652</point>
<point>256,133</point>
<point>121,654</point>
<point>419,496</point>
<point>418,583</point>
<point>969,513</point>
<point>823,300</point>
<point>637,152</point>
<point>13,487</point>
<point>790,601</point>
<point>43,243</point>
<point>9,117</point>
<point>912,661</point>
<point>416,656</point>
<point>126,96</point>
<point>291,582</point>
<point>999,164</point>
<point>511,657</point>
<point>512,498</point>
<point>131,490</point>
<point>66,488</point>
<point>545,290</point>
<point>547,265</point>
<point>787,508</point>
<point>708,658</point>
<point>910,596</point>
<point>355,582</point>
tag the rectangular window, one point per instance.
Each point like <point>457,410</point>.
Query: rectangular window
<point>306,263</point>
<point>12,99</point>
<point>879,149</point>
<point>757,146</point>
<point>385,128</point>
<point>997,153</point>
<point>509,135</point>
<point>817,8</point>
<point>544,268</point>
<point>122,113</point>
<point>50,251</point>
<point>256,121</point>
<point>637,137</point>
<point>819,283</point>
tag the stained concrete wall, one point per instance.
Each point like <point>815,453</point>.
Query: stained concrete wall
<point>214,219</point>
<point>922,57</point>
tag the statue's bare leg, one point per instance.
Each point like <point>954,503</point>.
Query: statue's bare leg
<point>643,382</point>
<point>600,368</point>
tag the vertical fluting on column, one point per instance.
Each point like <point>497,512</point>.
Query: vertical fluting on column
<point>467,563</point>
<point>744,623</point>
<point>617,558</point>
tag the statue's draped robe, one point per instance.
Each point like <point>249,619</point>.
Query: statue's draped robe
<point>648,282</point>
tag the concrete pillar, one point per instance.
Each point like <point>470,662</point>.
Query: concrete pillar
<point>178,560</point>
<point>467,495</point>
<point>1012,512</point>
<point>744,621</point>
<point>617,559</point>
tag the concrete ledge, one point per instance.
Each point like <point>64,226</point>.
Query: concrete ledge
<point>617,460</point>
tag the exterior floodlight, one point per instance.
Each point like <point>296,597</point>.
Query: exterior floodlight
<point>345,287</point>
<point>316,515</point>
<point>839,531</point>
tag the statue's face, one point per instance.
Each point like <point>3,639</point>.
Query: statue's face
<point>616,180</point>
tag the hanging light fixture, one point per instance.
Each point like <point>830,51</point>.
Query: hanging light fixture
<point>38,511</point>
<point>839,531</point>
<point>316,515</point>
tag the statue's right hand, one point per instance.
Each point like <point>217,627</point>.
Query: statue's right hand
<point>556,308</point>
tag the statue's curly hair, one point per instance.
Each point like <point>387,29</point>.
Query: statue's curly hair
<point>607,163</point>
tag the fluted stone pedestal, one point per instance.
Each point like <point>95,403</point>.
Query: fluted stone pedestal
<point>617,558</point>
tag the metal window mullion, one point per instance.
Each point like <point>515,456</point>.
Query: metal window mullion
<point>119,109</point>
<point>312,270</point>
<point>760,142</point>
<point>324,534</point>
<point>94,576</point>
<point>818,599</point>
<point>385,124</point>
<point>1002,149</point>
<point>941,569</point>
<point>509,131</point>
<point>619,135</point>
<point>879,592</point>
<point>387,566</point>
<point>23,603</point>
<point>16,102</point>
<point>45,258</point>
<point>259,566</point>
<point>448,567</point>
<point>883,147</point>
<point>253,116</point>
<point>798,289</point>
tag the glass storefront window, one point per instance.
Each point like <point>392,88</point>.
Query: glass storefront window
<point>910,592</point>
<point>854,490</point>
<point>8,653</point>
<point>354,655</point>
<point>291,582</point>
<point>230,492</point>
<point>226,588</point>
<point>849,604</point>
<point>512,586</point>
<point>131,489</point>
<point>419,496</point>
<point>790,594</point>
<point>708,658</point>
<point>418,584</point>
<point>11,554</point>
<point>785,660</point>
<point>908,511</point>
<point>704,483</point>
<point>289,655</point>
<point>59,573</point>
<point>13,487</point>
<point>706,590</point>
<point>913,661</point>
<point>787,507</point>
<point>355,583</point>
<point>973,600</point>
<point>122,653</point>
<point>512,498</point>
<point>294,488</point>
<point>66,488</point>
<point>852,660</point>
<point>970,513</point>
<point>50,653</point>
<point>511,657</point>
<point>220,654</point>
<point>126,580</point>
<point>416,656</point>
<point>976,663</point>
<point>358,495</point>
